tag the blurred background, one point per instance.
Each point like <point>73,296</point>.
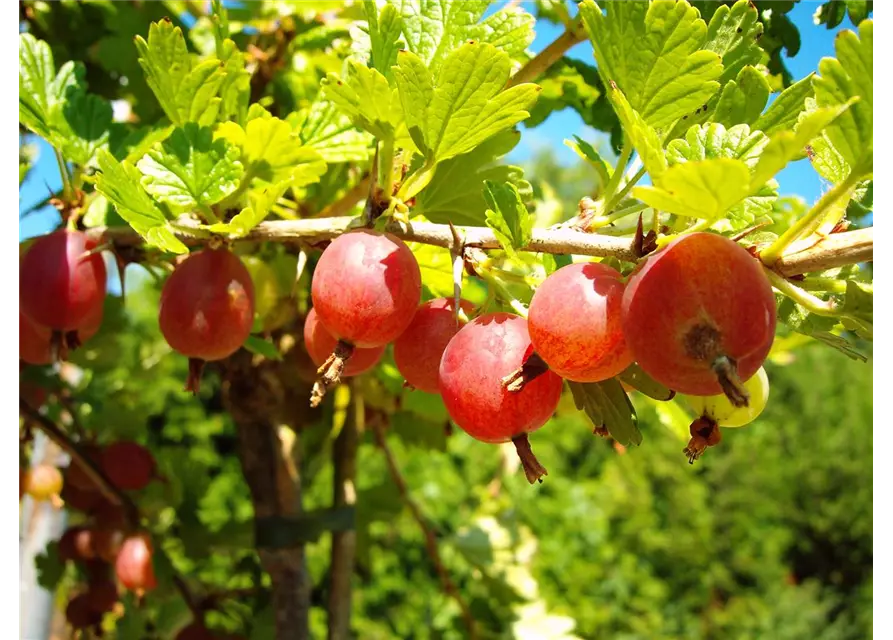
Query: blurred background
<point>769,535</point>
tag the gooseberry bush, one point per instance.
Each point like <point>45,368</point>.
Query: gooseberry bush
<point>315,203</point>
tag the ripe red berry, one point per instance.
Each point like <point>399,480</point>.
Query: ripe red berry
<point>43,481</point>
<point>102,596</point>
<point>76,544</point>
<point>35,341</point>
<point>133,566</point>
<point>320,345</point>
<point>60,282</point>
<point>207,309</point>
<point>575,322</point>
<point>80,614</point>
<point>366,288</point>
<point>418,350</point>
<point>130,466</point>
<point>699,316</point>
<point>471,371</point>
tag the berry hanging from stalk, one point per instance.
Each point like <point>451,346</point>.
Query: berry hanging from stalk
<point>699,316</point>
<point>35,341</point>
<point>471,371</point>
<point>43,482</point>
<point>419,349</point>
<point>207,309</point>
<point>717,411</point>
<point>62,284</point>
<point>133,566</point>
<point>320,344</point>
<point>575,323</point>
<point>365,289</point>
<point>128,465</point>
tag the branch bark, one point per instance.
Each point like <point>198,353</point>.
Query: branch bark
<point>541,62</point>
<point>344,543</point>
<point>446,581</point>
<point>254,396</point>
<point>837,250</point>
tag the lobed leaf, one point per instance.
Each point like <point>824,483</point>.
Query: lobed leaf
<point>507,216</point>
<point>742,99</point>
<point>783,113</point>
<point>733,33</point>
<point>703,189</point>
<point>366,98</point>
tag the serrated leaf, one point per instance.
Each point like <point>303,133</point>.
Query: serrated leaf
<point>606,405</point>
<point>366,98</point>
<point>839,81</point>
<point>261,201</point>
<point>42,91</point>
<point>507,216</point>
<point>703,189</point>
<point>783,113</point>
<point>385,29</point>
<point>50,568</point>
<point>323,128</point>
<point>635,377</point>
<point>191,169</point>
<point>587,152</point>
<point>640,134</point>
<point>186,94</point>
<point>272,152</point>
<point>742,99</point>
<point>261,347</point>
<point>83,127</point>
<point>733,33</point>
<point>713,140</point>
<point>120,183</point>
<point>653,54</point>
<point>235,89</point>
<point>465,105</point>
<point>785,146</point>
<point>434,28</point>
<point>455,192</point>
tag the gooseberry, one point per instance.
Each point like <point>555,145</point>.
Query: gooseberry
<point>720,410</point>
<point>133,566</point>
<point>320,344</point>
<point>699,316</point>
<point>419,349</point>
<point>43,482</point>
<point>207,309</point>
<point>129,466</point>
<point>474,362</point>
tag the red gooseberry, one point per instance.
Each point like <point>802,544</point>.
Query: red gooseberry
<point>320,345</point>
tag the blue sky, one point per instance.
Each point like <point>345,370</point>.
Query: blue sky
<point>797,178</point>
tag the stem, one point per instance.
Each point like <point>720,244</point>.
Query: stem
<point>209,215</point>
<point>446,581</point>
<point>771,255</point>
<point>67,187</point>
<point>805,299</point>
<point>617,174</point>
<point>603,221</point>
<point>836,250</point>
<point>344,543</point>
<point>386,166</point>
<point>823,284</point>
<point>502,292</point>
<point>541,62</point>
<point>626,189</point>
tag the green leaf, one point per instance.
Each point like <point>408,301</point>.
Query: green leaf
<point>640,134</point>
<point>507,216</point>
<point>418,432</point>
<point>455,192</point>
<point>385,29</point>
<point>652,52</point>
<point>120,183</point>
<point>743,99</point>
<point>703,189</point>
<point>324,128</point>
<point>858,10</point>
<point>186,94</point>
<point>190,169</point>
<point>434,28</point>
<point>713,140</point>
<point>366,98</point>
<point>567,83</point>
<point>733,33</point>
<point>41,90</point>
<point>465,105</point>
<point>785,146</point>
<point>607,405</point>
<point>587,152</point>
<point>782,114</point>
<point>261,201</point>
<point>83,127</point>
<point>50,568</point>
<point>858,309</point>
<point>235,89</point>
<point>261,347</point>
<point>272,151</point>
<point>850,75</point>
<point>635,377</point>
<point>817,327</point>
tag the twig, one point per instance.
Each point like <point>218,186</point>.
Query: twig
<point>836,250</point>
<point>346,202</point>
<point>447,583</point>
<point>541,62</point>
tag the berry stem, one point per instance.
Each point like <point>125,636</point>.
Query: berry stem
<point>194,380</point>
<point>532,368</point>
<point>727,375</point>
<point>330,371</point>
<point>533,470</point>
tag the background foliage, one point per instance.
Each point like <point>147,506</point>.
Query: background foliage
<point>768,536</point>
